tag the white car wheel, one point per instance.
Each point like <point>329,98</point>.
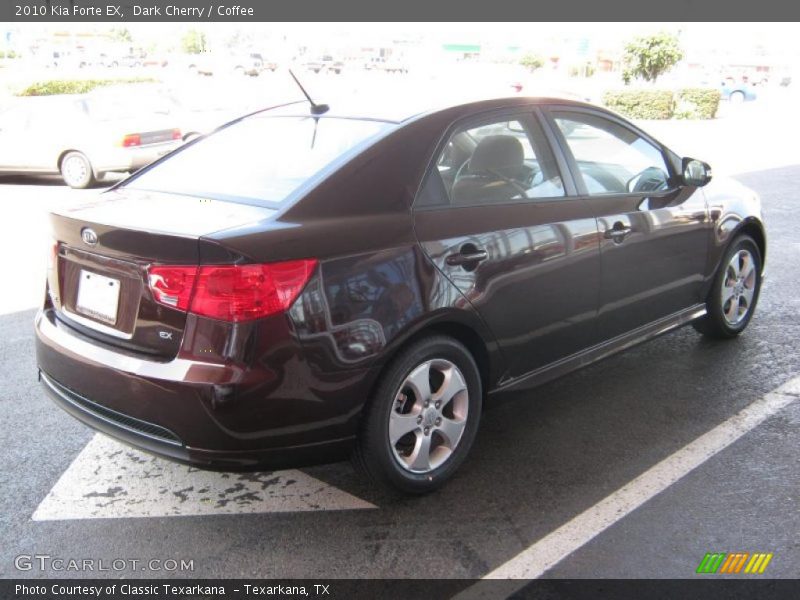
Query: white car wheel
<point>76,170</point>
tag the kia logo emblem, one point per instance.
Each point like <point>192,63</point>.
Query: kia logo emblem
<point>89,236</point>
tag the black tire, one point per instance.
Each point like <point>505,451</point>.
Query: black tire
<point>715,324</point>
<point>76,170</point>
<point>376,456</point>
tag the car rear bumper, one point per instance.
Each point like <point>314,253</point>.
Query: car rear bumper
<point>132,159</point>
<point>170,408</point>
<point>157,440</point>
<point>148,436</point>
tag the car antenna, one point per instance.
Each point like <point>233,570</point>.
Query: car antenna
<point>316,109</point>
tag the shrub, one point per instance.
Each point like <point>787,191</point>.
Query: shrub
<point>194,42</point>
<point>686,110</point>
<point>70,86</point>
<point>584,70</point>
<point>532,62</point>
<point>705,101</point>
<point>641,104</point>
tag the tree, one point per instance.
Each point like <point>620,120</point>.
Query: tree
<point>532,62</point>
<point>649,57</point>
<point>121,34</point>
<point>194,42</point>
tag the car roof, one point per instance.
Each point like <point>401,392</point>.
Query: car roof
<point>39,103</point>
<point>398,112</point>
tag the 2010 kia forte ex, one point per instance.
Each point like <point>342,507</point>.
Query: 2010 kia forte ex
<point>304,285</point>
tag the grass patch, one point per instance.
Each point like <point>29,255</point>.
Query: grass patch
<point>72,86</point>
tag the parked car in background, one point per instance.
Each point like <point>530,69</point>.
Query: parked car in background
<point>130,61</point>
<point>373,63</point>
<point>324,64</point>
<point>389,65</point>
<point>226,64</point>
<point>737,91</point>
<point>82,136</point>
<point>193,112</point>
<point>305,284</point>
<point>393,65</point>
<point>150,60</point>
<point>266,65</point>
<point>64,59</point>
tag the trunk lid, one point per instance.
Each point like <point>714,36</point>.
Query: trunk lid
<point>103,248</point>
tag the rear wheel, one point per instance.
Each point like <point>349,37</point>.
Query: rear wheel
<point>76,170</point>
<point>422,420</point>
<point>737,97</point>
<point>734,293</point>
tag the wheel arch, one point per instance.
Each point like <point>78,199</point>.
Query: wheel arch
<point>469,338</point>
<point>751,226</point>
<point>755,230</point>
<point>460,331</point>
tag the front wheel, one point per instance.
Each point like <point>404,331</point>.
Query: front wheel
<point>422,420</point>
<point>734,293</point>
<point>76,170</point>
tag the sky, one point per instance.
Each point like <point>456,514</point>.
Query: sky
<point>779,42</point>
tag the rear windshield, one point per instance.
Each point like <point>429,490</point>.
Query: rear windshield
<point>259,160</point>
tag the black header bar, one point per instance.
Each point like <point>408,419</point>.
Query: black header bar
<point>397,589</point>
<point>122,11</point>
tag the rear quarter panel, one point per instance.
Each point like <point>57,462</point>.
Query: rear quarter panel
<point>374,288</point>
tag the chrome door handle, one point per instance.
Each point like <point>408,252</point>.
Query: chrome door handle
<point>461,258</point>
<point>617,233</point>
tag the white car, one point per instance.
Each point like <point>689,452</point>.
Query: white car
<point>81,136</point>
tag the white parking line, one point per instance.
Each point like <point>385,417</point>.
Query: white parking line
<point>108,480</point>
<point>554,547</point>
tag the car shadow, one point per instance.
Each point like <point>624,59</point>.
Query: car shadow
<point>53,180</point>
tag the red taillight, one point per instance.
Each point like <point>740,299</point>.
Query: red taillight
<point>176,134</point>
<point>52,272</point>
<point>52,256</point>
<point>132,139</point>
<point>231,292</point>
<point>172,286</point>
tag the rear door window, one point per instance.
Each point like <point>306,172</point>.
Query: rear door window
<point>495,162</point>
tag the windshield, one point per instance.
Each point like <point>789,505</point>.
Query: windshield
<point>260,159</point>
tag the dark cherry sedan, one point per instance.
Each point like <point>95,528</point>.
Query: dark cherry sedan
<point>299,287</point>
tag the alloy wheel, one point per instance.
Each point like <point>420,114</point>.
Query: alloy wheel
<point>429,416</point>
<point>738,287</point>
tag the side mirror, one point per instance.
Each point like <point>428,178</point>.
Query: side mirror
<point>695,172</point>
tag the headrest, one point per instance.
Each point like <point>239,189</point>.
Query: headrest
<point>495,152</point>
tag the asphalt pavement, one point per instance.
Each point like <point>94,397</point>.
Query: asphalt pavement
<point>541,458</point>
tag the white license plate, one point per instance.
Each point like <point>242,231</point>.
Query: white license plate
<point>98,297</point>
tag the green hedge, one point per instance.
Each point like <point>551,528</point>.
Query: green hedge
<point>69,86</point>
<point>641,104</point>
<point>685,103</point>
<point>697,103</point>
